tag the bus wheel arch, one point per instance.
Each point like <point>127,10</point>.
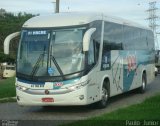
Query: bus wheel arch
<point>105,93</point>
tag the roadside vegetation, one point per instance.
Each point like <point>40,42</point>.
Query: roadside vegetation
<point>7,88</point>
<point>144,113</point>
<point>10,23</point>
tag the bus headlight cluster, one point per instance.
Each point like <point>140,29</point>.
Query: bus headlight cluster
<point>22,88</point>
<point>78,86</point>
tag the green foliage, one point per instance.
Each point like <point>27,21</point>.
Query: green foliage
<point>6,58</point>
<point>10,23</point>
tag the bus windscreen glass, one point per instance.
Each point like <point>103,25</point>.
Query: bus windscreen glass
<point>50,52</point>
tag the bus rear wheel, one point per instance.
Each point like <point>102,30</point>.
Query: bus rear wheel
<point>144,83</point>
<point>105,96</point>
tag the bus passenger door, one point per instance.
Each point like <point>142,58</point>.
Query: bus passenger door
<point>117,71</point>
<point>92,75</point>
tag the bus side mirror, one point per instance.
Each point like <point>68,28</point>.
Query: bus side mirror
<point>7,41</point>
<point>87,38</point>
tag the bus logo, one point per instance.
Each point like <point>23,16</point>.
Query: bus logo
<point>46,92</point>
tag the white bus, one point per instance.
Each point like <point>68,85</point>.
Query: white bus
<point>157,61</point>
<point>7,70</point>
<point>81,58</point>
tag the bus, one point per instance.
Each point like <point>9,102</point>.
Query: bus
<point>81,58</point>
<point>157,60</point>
<point>7,70</point>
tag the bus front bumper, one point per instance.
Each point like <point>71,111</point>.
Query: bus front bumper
<point>77,97</point>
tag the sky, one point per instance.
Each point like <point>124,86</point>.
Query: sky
<point>134,10</point>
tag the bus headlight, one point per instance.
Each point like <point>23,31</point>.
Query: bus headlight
<point>22,88</point>
<point>77,86</point>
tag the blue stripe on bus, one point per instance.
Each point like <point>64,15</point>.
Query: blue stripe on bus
<point>72,81</point>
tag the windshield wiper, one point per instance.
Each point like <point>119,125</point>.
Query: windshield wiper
<point>36,66</point>
<point>57,66</point>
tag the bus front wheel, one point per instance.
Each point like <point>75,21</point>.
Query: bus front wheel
<point>105,96</point>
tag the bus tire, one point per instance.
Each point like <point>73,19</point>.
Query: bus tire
<point>105,95</point>
<point>144,83</point>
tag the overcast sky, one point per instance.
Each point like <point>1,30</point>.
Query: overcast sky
<point>129,9</point>
<point>134,10</point>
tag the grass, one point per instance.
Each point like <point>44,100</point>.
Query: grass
<point>147,110</point>
<point>7,88</point>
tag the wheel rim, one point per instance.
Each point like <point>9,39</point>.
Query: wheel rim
<point>143,84</point>
<point>104,96</point>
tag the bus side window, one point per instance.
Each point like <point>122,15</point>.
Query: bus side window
<point>96,50</point>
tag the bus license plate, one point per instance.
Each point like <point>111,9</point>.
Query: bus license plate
<point>47,100</point>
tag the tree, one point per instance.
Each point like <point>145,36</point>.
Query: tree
<point>10,23</point>
<point>6,58</point>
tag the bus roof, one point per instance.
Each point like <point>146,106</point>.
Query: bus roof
<point>72,19</point>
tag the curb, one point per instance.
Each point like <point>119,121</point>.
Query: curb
<point>2,99</point>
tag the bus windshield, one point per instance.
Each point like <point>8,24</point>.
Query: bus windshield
<point>50,52</point>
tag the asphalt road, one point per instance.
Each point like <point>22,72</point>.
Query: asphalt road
<point>11,111</point>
